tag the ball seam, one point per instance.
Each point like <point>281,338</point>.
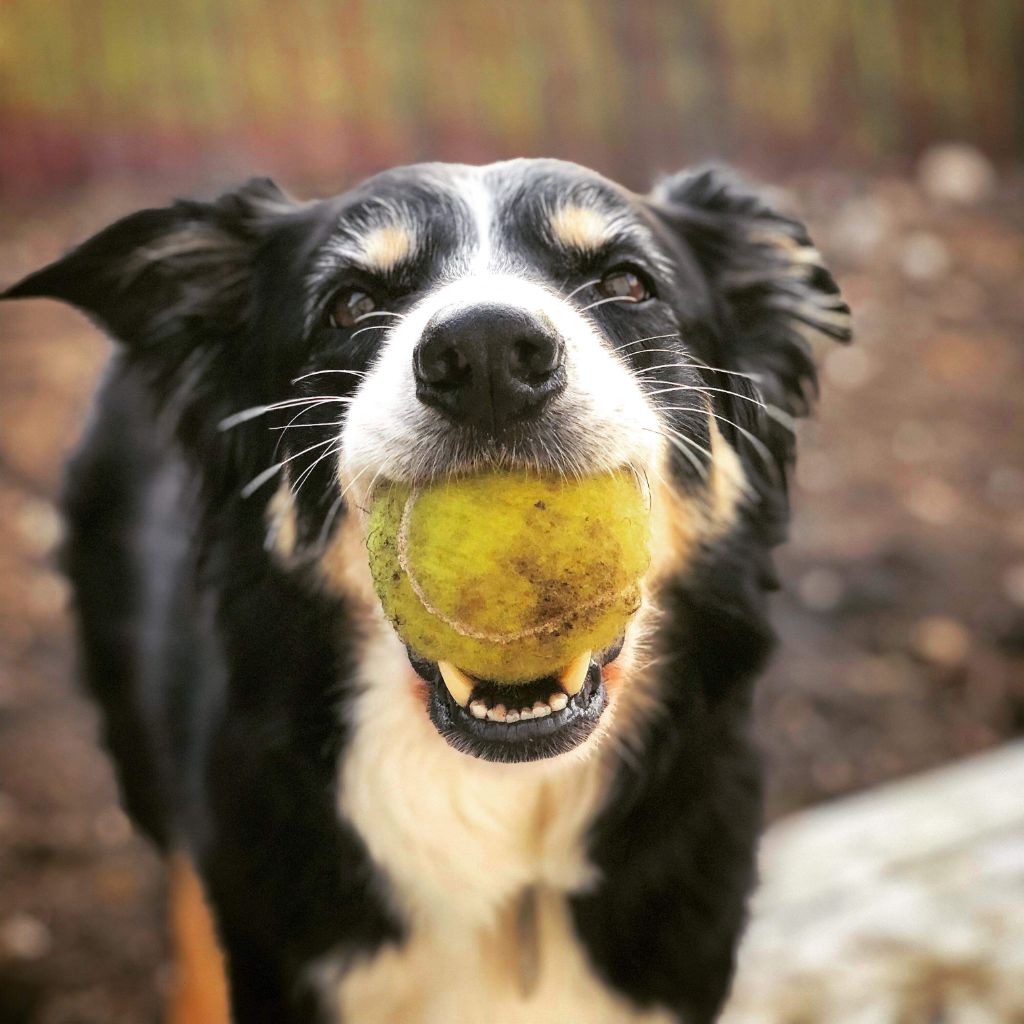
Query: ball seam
<point>550,626</point>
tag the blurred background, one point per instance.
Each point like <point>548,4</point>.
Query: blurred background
<point>895,127</point>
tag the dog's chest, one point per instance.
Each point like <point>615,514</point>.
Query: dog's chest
<point>478,860</point>
<point>479,977</point>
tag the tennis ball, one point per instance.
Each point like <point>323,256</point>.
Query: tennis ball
<point>510,576</point>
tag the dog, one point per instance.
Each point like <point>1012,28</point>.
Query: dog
<point>367,849</point>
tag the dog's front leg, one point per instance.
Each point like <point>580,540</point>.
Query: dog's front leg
<point>676,868</point>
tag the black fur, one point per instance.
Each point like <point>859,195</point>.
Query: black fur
<point>224,677</point>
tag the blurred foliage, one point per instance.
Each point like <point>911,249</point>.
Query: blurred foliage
<point>323,87</point>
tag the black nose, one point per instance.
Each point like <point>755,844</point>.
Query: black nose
<point>488,366</point>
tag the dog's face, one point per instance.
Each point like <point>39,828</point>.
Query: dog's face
<point>441,319</point>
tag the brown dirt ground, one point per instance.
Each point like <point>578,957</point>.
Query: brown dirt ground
<point>902,618</point>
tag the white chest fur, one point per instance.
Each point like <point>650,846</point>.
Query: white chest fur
<point>459,841</point>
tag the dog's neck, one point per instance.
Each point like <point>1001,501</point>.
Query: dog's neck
<point>458,838</point>
<point>478,858</point>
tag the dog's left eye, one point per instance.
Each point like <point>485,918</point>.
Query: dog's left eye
<point>623,283</point>
<point>349,306</point>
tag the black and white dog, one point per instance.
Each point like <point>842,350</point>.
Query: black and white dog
<point>278,358</point>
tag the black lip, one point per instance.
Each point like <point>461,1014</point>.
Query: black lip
<point>532,740</point>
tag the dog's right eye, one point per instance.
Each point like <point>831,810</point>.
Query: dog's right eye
<point>624,283</point>
<point>349,306</point>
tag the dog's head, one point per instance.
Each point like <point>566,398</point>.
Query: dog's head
<point>440,319</point>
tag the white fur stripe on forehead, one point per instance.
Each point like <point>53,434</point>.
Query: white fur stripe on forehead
<point>481,208</point>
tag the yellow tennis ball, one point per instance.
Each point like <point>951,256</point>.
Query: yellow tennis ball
<point>510,576</point>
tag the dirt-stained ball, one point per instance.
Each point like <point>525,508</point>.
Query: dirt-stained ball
<point>510,576</point>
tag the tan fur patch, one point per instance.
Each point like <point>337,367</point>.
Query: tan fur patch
<point>282,532</point>
<point>199,993</point>
<point>384,248</point>
<point>682,526</point>
<point>579,227</point>
<point>344,567</point>
<point>683,523</point>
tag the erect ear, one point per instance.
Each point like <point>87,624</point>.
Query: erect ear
<point>769,283</point>
<point>151,275</point>
<point>176,287</point>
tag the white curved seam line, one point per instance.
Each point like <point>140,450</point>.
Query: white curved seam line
<point>550,626</point>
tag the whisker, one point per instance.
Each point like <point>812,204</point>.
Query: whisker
<point>612,298</point>
<point>700,363</point>
<point>332,512</point>
<point>357,477</point>
<point>379,312</point>
<point>718,369</point>
<point>674,385</point>
<point>773,411</point>
<point>372,327</point>
<point>258,481</point>
<point>653,337</point>
<point>693,444</point>
<point>255,411</point>
<point>292,425</point>
<point>757,378</point>
<point>641,470</point>
<point>675,438</point>
<point>756,442</point>
<point>369,486</point>
<point>317,373</point>
<point>586,284</point>
<point>308,471</point>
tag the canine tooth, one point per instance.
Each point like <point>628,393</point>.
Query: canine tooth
<point>460,686</point>
<point>497,713</point>
<point>558,701</point>
<point>512,715</point>
<point>479,709</point>
<point>525,713</point>
<point>540,709</point>
<point>573,676</point>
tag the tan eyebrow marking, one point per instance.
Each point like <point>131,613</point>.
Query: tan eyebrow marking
<point>579,227</point>
<point>385,247</point>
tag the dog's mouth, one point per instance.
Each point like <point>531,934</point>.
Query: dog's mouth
<point>513,723</point>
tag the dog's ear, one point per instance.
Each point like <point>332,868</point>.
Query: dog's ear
<point>771,293</point>
<point>155,272</point>
<point>177,288</point>
<point>766,277</point>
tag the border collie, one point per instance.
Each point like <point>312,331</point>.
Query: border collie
<point>276,359</point>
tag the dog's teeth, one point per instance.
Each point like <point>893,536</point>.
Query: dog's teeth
<point>497,713</point>
<point>558,701</point>
<point>512,715</point>
<point>460,686</point>
<point>524,713</point>
<point>478,709</point>
<point>540,709</point>
<point>574,675</point>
